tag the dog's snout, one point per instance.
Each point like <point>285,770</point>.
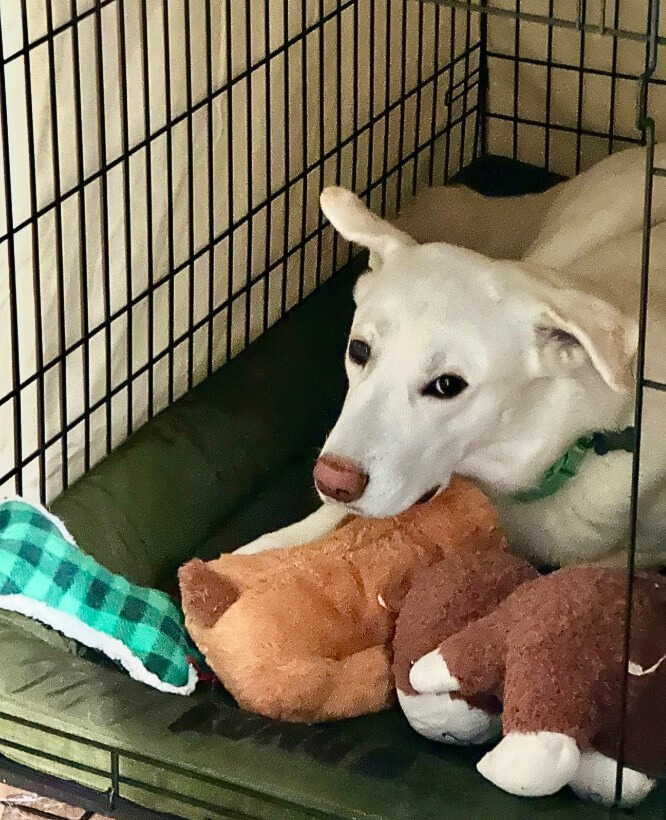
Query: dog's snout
<point>339,478</point>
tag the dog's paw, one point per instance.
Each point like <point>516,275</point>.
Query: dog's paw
<point>531,764</point>
<point>595,781</point>
<point>270,541</point>
<point>449,720</point>
<point>430,674</point>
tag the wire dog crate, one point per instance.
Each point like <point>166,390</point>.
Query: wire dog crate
<point>161,165</point>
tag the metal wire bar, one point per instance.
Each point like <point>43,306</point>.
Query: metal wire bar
<point>228,233</point>
<point>190,192</point>
<point>150,259</point>
<point>11,267</point>
<point>229,302</point>
<point>59,259</point>
<point>546,19</point>
<point>646,124</point>
<point>250,183</point>
<point>116,777</point>
<point>106,286</point>
<point>581,86</point>
<point>526,59</point>
<point>268,94</point>
<point>230,172</point>
<point>36,265</point>
<point>127,213</point>
<point>175,120</point>
<point>166,44</point>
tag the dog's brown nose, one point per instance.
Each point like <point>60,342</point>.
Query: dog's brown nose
<point>339,478</point>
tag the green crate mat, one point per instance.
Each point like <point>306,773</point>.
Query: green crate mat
<point>227,462</point>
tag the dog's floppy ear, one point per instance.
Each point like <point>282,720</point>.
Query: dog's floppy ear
<point>572,324</point>
<point>355,222</point>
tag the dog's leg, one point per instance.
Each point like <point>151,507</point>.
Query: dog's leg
<point>316,525</point>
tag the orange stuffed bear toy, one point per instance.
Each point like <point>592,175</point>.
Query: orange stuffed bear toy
<point>304,634</point>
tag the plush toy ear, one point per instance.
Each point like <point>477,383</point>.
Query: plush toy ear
<point>573,325</point>
<point>356,223</point>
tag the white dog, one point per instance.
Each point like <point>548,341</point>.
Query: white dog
<point>458,363</point>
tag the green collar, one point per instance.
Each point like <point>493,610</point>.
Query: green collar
<point>568,466</point>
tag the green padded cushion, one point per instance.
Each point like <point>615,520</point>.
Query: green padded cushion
<point>153,502</point>
<point>227,462</point>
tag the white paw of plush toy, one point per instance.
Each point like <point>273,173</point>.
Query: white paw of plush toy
<point>435,714</point>
<point>541,659</point>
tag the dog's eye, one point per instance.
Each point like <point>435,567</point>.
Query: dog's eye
<point>447,386</point>
<point>359,351</point>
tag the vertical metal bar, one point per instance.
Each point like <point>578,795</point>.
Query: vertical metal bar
<point>269,164</point>
<point>230,173</point>
<point>322,142</point>
<point>304,149</point>
<point>355,123</point>
<point>549,86</point>
<point>387,104</point>
<point>59,259</point>
<point>403,90</point>
<point>287,156</point>
<point>449,98</point>
<point>114,791</point>
<point>11,270</point>
<point>83,240</point>
<point>170,192</point>
<point>435,97</point>
<point>463,124</point>
<point>104,227</point>
<point>127,212</point>
<point>36,265</point>
<point>613,79</point>
<point>480,128</point>
<point>581,87</point>
<point>419,94</point>
<point>647,125</point>
<point>371,99</point>
<point>338,118</point>
<point>516,79</point>
<point>211,184</point>
<point>150,258</point>
<point>249,164</point>
<point>190,193</point>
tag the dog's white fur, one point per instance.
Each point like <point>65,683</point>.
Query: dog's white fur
<point>547,345</point>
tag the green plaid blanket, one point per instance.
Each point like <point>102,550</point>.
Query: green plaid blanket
<point>45,576</point>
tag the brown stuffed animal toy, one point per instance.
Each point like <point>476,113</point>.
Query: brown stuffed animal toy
<point>480,635</point>
<point>304,634</point>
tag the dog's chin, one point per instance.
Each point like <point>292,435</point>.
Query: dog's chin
<point>368,509</point>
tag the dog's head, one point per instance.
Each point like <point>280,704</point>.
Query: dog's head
<point>461,364</point>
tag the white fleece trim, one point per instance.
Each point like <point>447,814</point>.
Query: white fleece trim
<point>73,628</point>
<point>111,647</point>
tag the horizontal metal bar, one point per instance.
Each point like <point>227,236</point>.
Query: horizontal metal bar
<point>71,793</point>
<point>653,385</point>
<point>188,112</point>
<point>205,320</point>
<point>164,765</point>
<point>275,195</point>
<point>659,172</point>
<point>56,30</point>
<point>570,129</point>
<point>546,20</point>
<point>597,72</point>
<point>465,86</point>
